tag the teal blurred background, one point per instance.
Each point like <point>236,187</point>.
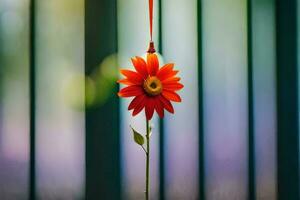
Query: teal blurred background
<point>235,135</point>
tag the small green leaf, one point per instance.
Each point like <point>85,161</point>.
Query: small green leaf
<point>138,138</point>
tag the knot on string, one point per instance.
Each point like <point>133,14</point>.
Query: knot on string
<point>151,48</point>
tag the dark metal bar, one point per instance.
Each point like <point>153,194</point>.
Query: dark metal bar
<point>251,139</point>
<point>161,121</point>
<point>287,100</point>
<point>32,191</point>
<point>32,68</point>
<point>200,105</point>
<point>103,166</point>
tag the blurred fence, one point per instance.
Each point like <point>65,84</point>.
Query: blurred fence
<point>64,134</point>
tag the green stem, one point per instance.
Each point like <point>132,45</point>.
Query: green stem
<point>147,160</point>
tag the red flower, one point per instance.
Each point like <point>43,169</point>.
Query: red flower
<point>151,87</point>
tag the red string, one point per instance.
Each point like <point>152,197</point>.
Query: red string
<point>151,17</point>
<point>151,44</point>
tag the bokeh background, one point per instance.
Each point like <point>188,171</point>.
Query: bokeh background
<point>234,136</point>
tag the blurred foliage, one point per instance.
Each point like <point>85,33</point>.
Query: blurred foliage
<point>14,26</point>
<point>105,77</point>
<point>99,85</point>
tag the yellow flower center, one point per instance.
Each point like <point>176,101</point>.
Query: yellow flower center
<point>152,86</point>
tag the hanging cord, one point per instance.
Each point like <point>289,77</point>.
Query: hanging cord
<point>151,48</point>
<point>151,17</point>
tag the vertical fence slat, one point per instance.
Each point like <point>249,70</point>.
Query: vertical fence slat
<point>133,40</point>
<point>200,105</point>
<point>32,97</point>
<point>102,122</point>
<point>225,98</point>
<point>181,130</point>
<point>251,139</point>
<point>287,100</point>
<point>264,98</point>
<point>59,99</point>
<point>161,121</point>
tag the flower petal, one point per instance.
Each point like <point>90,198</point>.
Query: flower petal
<point>140,66</point>
<point>143,65</point>
<point>125,82</point>
<point>139,107</point>
<point>131,91</point>
<point>136,101</point>
<point>158,105</point>
<point>132,76</point>
<point>169,75</point>
<point>166,103</point>
<point>172,96</point>
<point>149,108</point>
<point>152,64</point>
<point>165,70</point>
<point>173,86</point>
<point>171,80</point>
